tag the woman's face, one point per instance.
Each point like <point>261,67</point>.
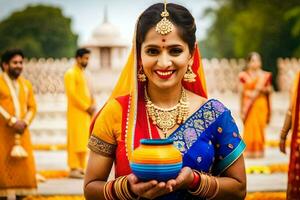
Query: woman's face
<point>255,62</point>
<point>165,58</point>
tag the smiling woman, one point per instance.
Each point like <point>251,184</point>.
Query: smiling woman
<point>164,59</point>
<point>161,94</point>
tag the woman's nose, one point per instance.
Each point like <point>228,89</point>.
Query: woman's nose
<point>164,61</point>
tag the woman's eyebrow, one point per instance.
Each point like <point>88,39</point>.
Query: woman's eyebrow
<point>167,46</point>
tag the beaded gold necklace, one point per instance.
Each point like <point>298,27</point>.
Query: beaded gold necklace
<point>166,118</point>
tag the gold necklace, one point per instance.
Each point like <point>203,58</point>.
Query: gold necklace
<point>166,118</point>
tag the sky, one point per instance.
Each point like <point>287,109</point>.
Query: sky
<point>86,15</point>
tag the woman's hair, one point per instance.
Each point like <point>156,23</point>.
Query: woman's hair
<point>249,57</point>
<point>178,15</point>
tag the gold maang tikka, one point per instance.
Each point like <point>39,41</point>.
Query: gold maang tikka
<point>164,26</point>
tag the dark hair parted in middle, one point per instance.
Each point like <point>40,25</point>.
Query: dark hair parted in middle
<point>178,15</point>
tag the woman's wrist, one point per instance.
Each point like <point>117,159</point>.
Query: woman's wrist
<point>130,192</point>
<point>195,182</point>
<point>282,137</point>
<point>118,189</point>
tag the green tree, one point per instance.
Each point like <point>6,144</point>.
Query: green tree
<point>41,31</point>
<point>270,27</point>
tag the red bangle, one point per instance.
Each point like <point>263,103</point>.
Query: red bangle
<point>195,181</point>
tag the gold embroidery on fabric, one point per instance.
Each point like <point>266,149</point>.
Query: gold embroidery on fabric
<point>99,146</point>
<point>220,130</point>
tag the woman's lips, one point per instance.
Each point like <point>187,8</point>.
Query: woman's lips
<point>164,74</point>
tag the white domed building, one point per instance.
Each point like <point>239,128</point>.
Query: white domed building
<point>108,49</point>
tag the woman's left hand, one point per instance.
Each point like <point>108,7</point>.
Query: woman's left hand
<point>183,180</point>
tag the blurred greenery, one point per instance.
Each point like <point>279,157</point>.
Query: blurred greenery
<point>41,31</point>
<point>270,27</point>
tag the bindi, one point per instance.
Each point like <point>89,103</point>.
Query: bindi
<point>163,40</point>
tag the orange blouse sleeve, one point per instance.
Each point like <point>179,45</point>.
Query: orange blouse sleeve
<point>107,129</point>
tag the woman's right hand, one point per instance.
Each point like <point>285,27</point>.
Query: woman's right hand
<point>148,190</point>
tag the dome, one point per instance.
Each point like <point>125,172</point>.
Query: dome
<point>106,35</point>
<point>106,29</point>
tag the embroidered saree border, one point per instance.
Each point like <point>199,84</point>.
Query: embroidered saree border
<point>230,158</point>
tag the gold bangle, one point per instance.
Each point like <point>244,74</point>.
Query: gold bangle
<point>122,190</point>
<point>130,194</point>
<point>202,185</point>
<point>217,189</point>
<point>107,190</point>
<point>118,188</point>
<point>208,186</point>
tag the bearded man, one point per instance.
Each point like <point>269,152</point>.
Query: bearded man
<point>17,110</point>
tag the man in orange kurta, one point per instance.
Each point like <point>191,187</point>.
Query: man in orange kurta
<point>17,109</point>
<point>79,112</point>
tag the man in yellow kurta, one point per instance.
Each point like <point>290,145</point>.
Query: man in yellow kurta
<point>17,109</point>
<point>79,112</point>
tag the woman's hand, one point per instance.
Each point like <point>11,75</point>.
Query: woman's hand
<point>183,180</point>
<point>282,145</point>
<point>150,189</point>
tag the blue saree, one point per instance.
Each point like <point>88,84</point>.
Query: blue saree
<point>209,141</point>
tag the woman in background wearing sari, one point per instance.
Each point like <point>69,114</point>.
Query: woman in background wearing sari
<point>255,105</point>
<point>291,122</point>
<point>163,77</point>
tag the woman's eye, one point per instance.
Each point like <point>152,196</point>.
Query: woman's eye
<point>175,51</point>
<point>152,51</point>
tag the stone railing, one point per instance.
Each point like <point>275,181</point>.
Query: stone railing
<point>287,68</point>
<point>221,75</point>
<point>47,75</point>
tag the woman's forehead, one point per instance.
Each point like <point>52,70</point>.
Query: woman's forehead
<point>153,38</point>
<point>255,57</point>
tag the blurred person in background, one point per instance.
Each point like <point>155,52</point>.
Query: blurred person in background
<point>79,113</point>
<point>291,122</point>
<point>255,87</point>
<point>17,110</point>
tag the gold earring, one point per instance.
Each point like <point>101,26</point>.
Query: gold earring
<point>189,75</point>
<point>141,76</point>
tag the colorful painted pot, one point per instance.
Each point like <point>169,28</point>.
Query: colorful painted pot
<point>156,159</point>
